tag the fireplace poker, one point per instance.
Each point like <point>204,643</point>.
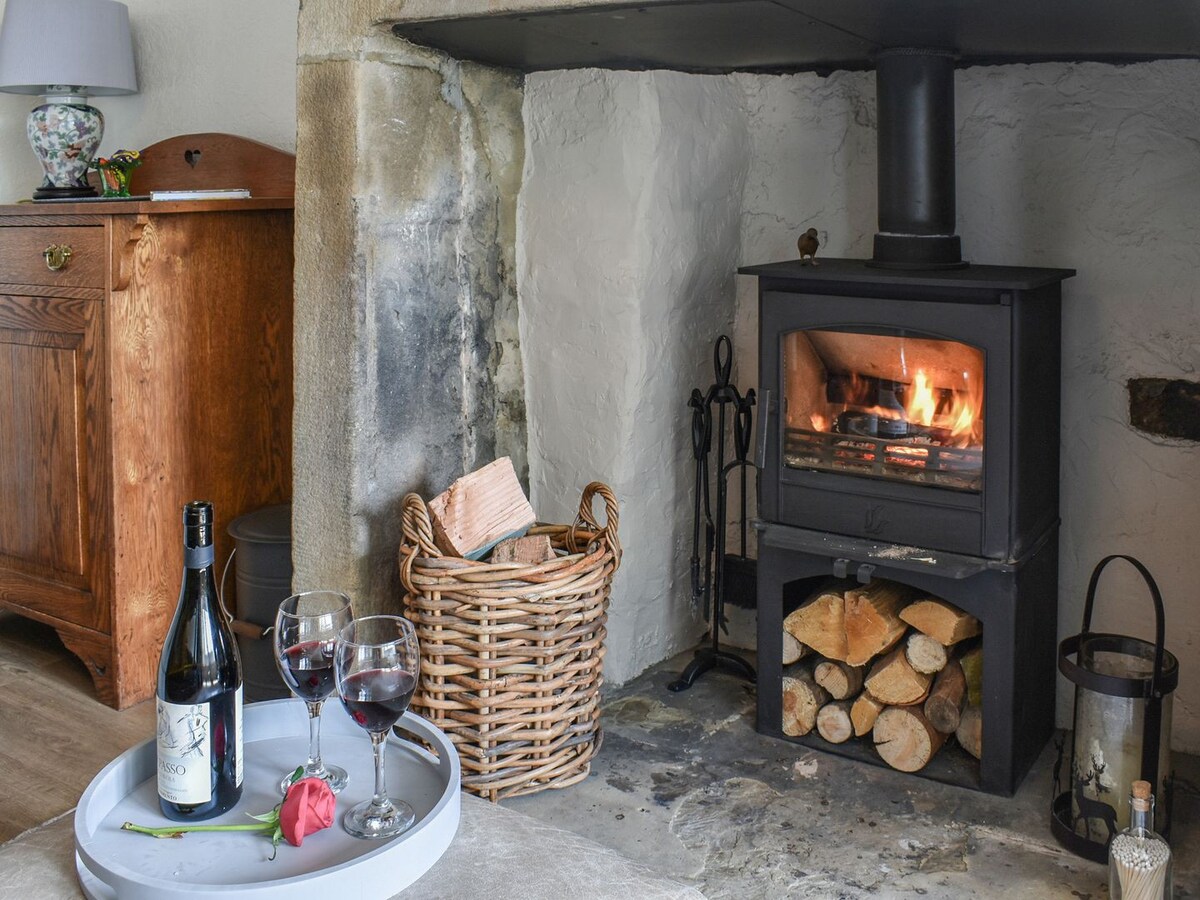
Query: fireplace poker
<point>711,585</point>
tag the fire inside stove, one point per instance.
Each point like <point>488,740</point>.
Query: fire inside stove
<point>884,406</point>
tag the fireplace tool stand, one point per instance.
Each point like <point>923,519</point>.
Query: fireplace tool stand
<point>709,583</point>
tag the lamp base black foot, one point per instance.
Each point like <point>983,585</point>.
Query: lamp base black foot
<point>706,659</point>
<point>63,193</point>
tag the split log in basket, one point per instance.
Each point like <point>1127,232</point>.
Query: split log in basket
<point>833,722</point>
<point>872,623</point>
<point>802,700</point>
<point>479,510</point>
<point>924,654</point>
<point>821,624</point>
<point>943,622</point>
<point>895,682</point>
<point>842,681</point>
<point>905,739</point>
<point>864,712</point>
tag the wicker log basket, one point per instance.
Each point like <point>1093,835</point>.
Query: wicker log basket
<point>511,654</point>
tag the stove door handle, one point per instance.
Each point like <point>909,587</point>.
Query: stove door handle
<point>764,429</point>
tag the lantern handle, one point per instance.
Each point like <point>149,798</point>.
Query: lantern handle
<point>1155,595</point>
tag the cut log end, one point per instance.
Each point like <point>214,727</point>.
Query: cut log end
<point>925,654</point>
<point>802,700</point>
<point>820,624</point>
<point>842,681</point>
<point>905,739</point>
<point>833,722</point>
<point>793,650</point>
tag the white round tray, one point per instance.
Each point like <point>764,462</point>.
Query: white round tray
<point>113,863</point>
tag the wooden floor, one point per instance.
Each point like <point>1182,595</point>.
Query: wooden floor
<point>54,734</point>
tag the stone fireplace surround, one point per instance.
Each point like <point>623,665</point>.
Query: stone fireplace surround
<point>537,266</point>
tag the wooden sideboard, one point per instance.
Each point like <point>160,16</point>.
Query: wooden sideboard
<point>154,367</point>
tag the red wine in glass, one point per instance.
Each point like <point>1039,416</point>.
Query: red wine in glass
<point>376,665</point>
<point>377,698</point>
<point>306,630</point>
<point>307,670</point>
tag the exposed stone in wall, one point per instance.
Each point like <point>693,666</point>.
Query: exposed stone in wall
<point>1165,407</point>
<point>407,360</point>
<point>628,240</point>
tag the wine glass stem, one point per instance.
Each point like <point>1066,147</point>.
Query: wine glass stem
<point>378,742</point>
<point>314,734</point>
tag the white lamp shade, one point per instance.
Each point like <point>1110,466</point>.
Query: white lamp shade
<point>81,43</point>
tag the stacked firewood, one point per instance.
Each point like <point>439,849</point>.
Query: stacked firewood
<point>885,662</point>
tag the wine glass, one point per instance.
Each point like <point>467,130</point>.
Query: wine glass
<point>377,661</point>
<point>306,630</point>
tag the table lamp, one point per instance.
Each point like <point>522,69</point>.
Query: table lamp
<point>66,50</point>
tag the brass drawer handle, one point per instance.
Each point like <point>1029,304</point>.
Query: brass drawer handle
<point>57,257</point>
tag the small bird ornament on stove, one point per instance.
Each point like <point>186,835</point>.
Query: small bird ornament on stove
<point>807,245</point>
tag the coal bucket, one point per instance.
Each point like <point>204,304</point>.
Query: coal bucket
<point>262,558</point>
<point>1122,728</point>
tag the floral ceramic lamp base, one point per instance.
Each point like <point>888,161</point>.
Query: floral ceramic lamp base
<point>65,136</point>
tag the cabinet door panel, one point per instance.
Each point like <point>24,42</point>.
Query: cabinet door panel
<point>48,445</point>
<point>41,483</point>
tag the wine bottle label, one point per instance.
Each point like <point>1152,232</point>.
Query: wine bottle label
<point>184,748</point>
<point>237,730</point>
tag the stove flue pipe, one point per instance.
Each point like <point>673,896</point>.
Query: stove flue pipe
<point>915,101</point>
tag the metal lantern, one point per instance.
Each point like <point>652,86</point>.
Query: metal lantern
<point>1122,728</point>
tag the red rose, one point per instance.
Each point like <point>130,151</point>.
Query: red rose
<point>308,807</point>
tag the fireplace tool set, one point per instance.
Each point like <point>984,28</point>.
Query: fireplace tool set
<point>715,572</point>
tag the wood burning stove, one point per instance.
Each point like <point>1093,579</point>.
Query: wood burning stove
<point>909,431</point>
<point>865,375</point>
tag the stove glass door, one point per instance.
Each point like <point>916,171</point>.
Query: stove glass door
<point>881,404</point>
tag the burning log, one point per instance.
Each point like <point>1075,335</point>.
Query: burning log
<point>802,699</point>
<point>945,623</point>
<point>970,731</point>
<point>947,698</point>
<point>833,722</point>
<point>895,682</point>
<point>864,712</point>
<point>842,681</point>
<point>924,654</point>
<point>905,739</point>
<point>872,623</point>
<point>820,624</point>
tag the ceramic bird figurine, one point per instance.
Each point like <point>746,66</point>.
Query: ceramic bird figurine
<point>807,245</point>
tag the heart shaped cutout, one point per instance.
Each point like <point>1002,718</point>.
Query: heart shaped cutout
<point>191,157</point>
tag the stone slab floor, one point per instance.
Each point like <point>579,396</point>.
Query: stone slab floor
<point>684,784</point>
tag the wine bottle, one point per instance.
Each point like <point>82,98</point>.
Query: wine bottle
<point>199,695</point>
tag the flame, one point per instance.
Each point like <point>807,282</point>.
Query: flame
<point>955,411</point>
<point>922,405</point>
<point>959,413</point>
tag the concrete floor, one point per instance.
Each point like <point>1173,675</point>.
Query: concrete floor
<point>684,784</point>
